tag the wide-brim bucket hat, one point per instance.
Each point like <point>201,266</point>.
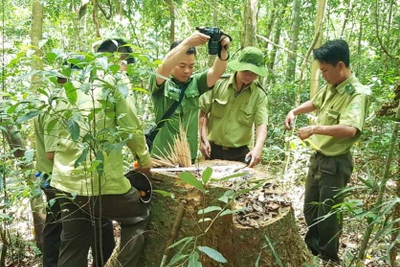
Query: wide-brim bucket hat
<point>251,59</point>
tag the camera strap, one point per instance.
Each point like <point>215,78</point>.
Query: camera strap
<point>172,108</point>
<point>220,47</point>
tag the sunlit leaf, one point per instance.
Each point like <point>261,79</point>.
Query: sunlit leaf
<point>115,68</point>
<point>227,196</point>
<point>189,178</point>
<point>209,209</point>
<point>204,220</point>
<point>81,158</point>
<point>206,175</point>
<point>139,89</point>
<point>28,116</point>
<point>74,129</point>
<point>212,253</point>
<point>85,87</point>
<point>228,211</point>
<point>185,239</point>
<point>51,57</point>
<point>194,260</point>
<point>70,91</point>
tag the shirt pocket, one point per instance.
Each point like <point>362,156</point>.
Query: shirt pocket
<point>191,100</point>
<point>218,108</point>
<point>246,115</point>
<point>331,117</point>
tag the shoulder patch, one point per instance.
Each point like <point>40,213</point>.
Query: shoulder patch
<point>350,89</point>
<point>355,109</point>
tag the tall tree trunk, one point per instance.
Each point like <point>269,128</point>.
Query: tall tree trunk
<point>319,22</point>
<point>80,26</point>
<point>272,54</point>
<point>171,9</point>
<point>387,39</point>
<point>95,18</point>
<point>272,14</point>
<point>250,23</point>
<point>294,36</point>
<point>36,36</point>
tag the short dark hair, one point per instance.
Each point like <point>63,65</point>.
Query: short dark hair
<point>191,50</point>
<point>332,52</point>
<point>114,45</point>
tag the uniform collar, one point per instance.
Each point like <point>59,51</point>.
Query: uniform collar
<point>232,80</point>
<point>181,83</point>
<point>341,88</point>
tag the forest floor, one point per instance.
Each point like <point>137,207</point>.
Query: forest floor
<point>23,251</point>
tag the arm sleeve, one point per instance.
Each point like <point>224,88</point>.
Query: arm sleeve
<point>317,99</point>
<point>153,87</point>
<point>262,112</point>
<point>130,124</point>
<point>205,101</point>
<point>202,82</point>
<point>355,112</point>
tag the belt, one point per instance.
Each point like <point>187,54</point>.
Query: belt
<point>228,148</point>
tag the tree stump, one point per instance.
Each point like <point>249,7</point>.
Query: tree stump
<point>266,232</point>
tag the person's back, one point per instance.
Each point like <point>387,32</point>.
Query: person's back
<point>45,145</point>
<point>99,113</point>
<point>97,122</point>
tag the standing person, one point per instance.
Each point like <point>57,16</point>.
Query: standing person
<point>341,108</point>
<point>229,111</point>
<point>106,120</point>
<point>174,78</point>
<point>53,227</point>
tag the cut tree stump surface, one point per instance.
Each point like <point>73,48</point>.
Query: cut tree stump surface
<point>240,237</point>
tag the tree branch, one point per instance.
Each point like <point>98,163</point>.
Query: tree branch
<point>377,32</point>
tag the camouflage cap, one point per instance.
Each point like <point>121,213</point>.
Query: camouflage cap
<point>251,59</point>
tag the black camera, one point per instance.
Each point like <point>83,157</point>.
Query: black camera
<point>213,42</point>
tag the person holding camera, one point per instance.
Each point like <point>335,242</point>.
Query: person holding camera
<point>229,111</point>
<point>175,84</point>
